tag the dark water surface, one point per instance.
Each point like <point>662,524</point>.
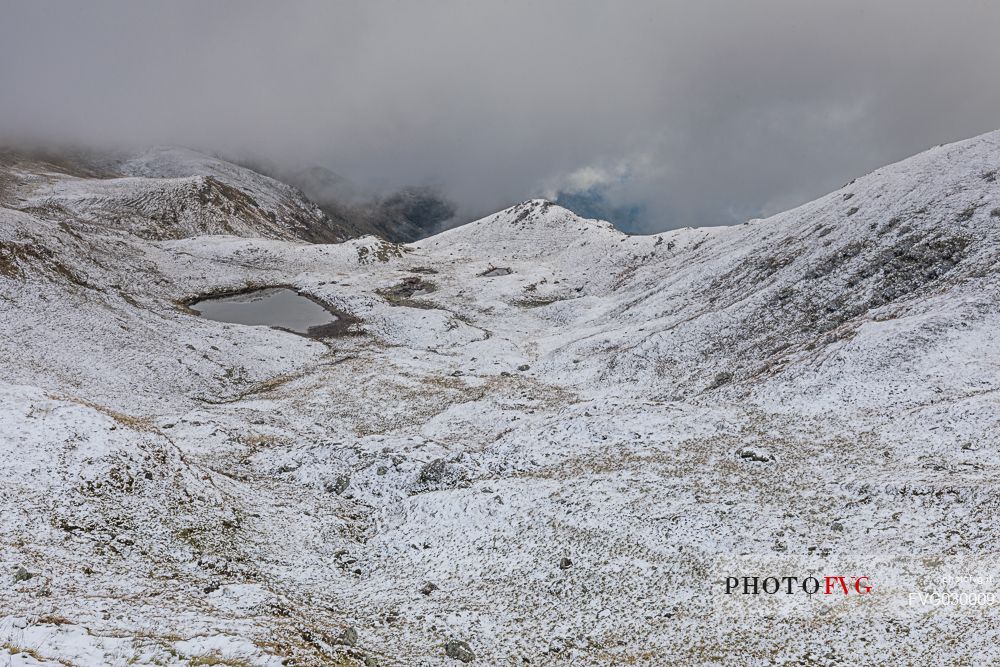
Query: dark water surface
<point>272,306</point>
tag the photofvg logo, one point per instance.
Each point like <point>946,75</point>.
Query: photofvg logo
<point>879,586</point>
<point>786,585</point>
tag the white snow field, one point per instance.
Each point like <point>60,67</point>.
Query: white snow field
<point>533,434</point>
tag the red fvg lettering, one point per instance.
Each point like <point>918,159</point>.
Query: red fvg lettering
<point>859,584</point>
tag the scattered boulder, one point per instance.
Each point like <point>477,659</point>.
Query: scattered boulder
<point>438,474</point>
<point>754,454</point>
<point>433,472</point>
<point>347,637</point>
<point>459,650</point>
<point>565,563</point>
<point>721,379</point>
<point>523,367</point>
<point>428,588</point>
<point>495,271</point>
<point>406,289</point>
<point>21,574</point>
<point>339,485</point>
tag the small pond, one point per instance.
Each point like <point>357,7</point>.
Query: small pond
<point>273,306</point>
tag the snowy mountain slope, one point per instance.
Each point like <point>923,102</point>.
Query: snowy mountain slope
<point>740,301</point>
<point>528,388</point>
<point>871,251</point>
<point>163,193</point>
<point>273,199</point>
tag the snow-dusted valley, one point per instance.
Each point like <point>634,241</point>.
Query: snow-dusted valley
<point>533,441</point>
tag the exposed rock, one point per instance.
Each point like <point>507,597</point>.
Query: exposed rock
<point>338,485</point>
<point>347,637</point>
<point>459,650</point>
<point>721,379</point>
<point>754,454</point>
<point>495,271</point>
<point>402,291</point>
<point>438,474</point>
<point>433,472</point>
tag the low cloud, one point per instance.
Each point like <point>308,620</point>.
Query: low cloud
<point>681,113</point>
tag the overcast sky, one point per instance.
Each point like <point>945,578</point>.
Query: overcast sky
<point>700,113</point>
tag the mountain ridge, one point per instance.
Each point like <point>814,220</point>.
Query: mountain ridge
<point>537,435</point>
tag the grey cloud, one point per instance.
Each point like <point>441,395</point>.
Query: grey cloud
<point>717,111</point>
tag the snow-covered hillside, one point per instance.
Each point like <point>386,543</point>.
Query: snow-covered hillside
<point>163,193</point>
<point>540,441</point>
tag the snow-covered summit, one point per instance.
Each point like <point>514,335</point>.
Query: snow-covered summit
<point>532,228</point>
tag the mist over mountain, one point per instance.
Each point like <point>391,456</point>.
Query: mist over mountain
<point>593,203</point>
<point>406,214</point>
